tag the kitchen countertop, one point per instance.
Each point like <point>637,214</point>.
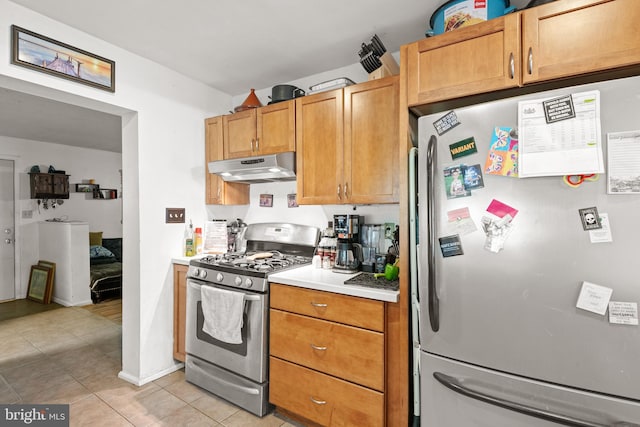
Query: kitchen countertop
<point>325,280</point>
<point>184,260</point>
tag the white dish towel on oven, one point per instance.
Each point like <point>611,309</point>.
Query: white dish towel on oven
<point>222,312</point>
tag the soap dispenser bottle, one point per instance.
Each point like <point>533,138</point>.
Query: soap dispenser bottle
<point>188,241</point>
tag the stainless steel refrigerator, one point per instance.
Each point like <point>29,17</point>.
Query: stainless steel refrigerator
<point>502,341</point>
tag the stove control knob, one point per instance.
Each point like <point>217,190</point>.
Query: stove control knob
<point>219,277</point>
<point>195,271</point>
<point>238,281</point>
<point>248,283</point>
<point>203,273</point>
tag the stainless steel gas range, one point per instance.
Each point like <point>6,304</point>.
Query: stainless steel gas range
<point>228,358</point>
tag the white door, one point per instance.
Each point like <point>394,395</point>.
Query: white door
<point>7,231</point>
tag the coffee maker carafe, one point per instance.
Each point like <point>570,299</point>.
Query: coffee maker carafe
<point>373,243</point>
<point>348,248</point>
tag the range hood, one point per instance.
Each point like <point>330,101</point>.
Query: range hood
<point>269,168</point>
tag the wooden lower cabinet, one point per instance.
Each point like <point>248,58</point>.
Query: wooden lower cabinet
<point>179,310</point>
<point>327,357</point>
<point>323,399</point>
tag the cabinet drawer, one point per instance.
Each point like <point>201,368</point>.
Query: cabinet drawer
<point>350,353</point>
<point>361,312</point>
<point>323,399</point>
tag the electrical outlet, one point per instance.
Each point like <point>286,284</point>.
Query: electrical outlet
<point>175,215</point>
<point>27,214</point>
<point>389,228</point>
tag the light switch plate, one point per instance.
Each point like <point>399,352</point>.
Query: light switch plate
<point>175,215</point>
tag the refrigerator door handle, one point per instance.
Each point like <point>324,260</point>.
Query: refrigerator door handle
<point>456,385</point>
<point>432,297</point>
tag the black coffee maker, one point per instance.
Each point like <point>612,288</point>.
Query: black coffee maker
<point>348,249</point>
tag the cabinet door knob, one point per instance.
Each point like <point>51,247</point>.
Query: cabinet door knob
<point>530,62</point>
<point>346,190</point>
<point>257,144</point>
<point>318,347</point>
<point>339,194</point>
<point>317,304</point>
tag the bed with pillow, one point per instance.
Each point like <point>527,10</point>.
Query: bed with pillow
<point>105,265</point>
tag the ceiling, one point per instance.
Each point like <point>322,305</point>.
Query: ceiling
<point>236,45</point>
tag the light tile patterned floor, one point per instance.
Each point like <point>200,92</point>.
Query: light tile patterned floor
<point>71,355</point>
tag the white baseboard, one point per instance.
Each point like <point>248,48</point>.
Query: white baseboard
<point>142,381</point>
<point>70,304</point>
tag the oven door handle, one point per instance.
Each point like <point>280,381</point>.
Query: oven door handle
<point>192,364</point>
<point>247,297</point>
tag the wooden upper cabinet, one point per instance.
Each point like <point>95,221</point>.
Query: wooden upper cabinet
<point>239,134</point>
<point>259,131</point>
<point>217,191</point>
<point>276,128</point>
<point>319,143</point>
<point>573,37</point>
<point>347,144</point>
<point>370,142</point>
<point>476,59</point>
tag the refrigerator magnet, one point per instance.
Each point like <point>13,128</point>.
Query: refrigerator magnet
<point>463,148</point>
<point>446,123</point>
<point>500,209</point>
<point>590,218</point>
<point>558,109</point>
<point>451,246</point>
<point>472,176</point>
<point>454,184</point>
<point>460,222</point>
<point>502,158</point>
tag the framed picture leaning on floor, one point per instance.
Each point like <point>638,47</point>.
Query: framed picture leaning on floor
<point>38,283</point>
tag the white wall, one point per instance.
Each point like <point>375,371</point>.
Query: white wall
<point>162,161</point>
<point>80,164</point>
<point>314,215</point>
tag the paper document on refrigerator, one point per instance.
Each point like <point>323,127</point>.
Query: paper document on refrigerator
<point>562,143</point>
<point>623,150</point>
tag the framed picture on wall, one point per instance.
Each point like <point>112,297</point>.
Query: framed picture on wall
<point>266,200</point>
<point>41,53</point>
<point>292,200</point>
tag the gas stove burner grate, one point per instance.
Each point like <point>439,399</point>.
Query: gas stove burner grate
<point>268,262</point>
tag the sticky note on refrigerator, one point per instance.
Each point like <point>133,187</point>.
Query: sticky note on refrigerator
<point>594,298</point>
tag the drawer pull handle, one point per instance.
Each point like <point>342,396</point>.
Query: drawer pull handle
<point>317,304</point>
<point>318,402</point>
<point>317,347</point>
